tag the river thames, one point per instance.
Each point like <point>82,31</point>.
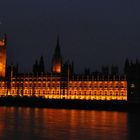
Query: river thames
<point>19,123</point>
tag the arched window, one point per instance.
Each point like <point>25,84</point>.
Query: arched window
<point>101,85</point>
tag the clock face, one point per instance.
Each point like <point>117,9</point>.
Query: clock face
<point>2,43</point>
<point>2,61</point>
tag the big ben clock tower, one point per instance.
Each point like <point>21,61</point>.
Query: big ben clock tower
<point>3,57</point>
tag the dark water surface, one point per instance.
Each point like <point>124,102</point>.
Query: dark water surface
<point>37,124</point>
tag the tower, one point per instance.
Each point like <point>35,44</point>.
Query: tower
<point>3,57</point>
<point>132,71</point>
<point>57,59</point>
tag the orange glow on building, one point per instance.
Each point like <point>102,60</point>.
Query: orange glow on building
<point>2,43</point>
<point>57,68</point>
<point>57,60</point>
<point>62,84</point>
<point>2,58</point>
<point>50,88</point>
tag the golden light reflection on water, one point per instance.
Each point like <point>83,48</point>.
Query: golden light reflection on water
<point>34,123</point>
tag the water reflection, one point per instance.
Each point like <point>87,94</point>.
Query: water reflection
<point>134,125</point>
<point>34,123</point>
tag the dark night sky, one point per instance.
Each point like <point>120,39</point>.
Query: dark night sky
<point>92,32</point>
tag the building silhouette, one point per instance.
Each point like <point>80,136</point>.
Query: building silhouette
<point>132,70</point>
<point>39,68</point>
<point>63,83</point>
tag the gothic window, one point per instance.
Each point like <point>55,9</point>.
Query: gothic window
<point>111,85</point>
<point>117,85</point>
<point>101,85</point>
<point>38,91</point>
<point>122,93</point>
<point>105,85</point>
<point>105,93</point>
<point>85,85</point>
<point>122,86</point>
<point>13,84</point>
<point>39,84</point>
<point>53,92</point>
<point>90,92</point>
<point>110,93</point>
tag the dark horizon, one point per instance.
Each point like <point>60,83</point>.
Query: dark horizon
<point>92,33</point>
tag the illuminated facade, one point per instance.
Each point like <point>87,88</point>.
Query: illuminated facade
<point>3,57</point>
<point>52,87</point>
<point>62,82</point>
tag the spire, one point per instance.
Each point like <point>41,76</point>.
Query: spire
<point>41,65</point>
<point>35,67</point>
<point>57,40</point>
<point>57,59</point>
<point>126,66</point>
<point>5,38</point>
<point>57,49</point>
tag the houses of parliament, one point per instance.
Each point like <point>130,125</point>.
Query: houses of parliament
<point>63,83</point>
